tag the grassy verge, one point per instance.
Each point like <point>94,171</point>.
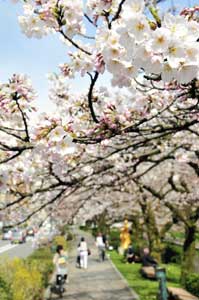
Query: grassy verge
<point>26,279</point>
<point>179,235</point>
<point>145,288</point>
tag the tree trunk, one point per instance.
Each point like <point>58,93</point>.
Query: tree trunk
<point>152,231</point>
<point>137,231</point>
<point>189,252</point>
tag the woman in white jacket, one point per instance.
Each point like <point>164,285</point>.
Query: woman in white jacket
<point>83,253</point>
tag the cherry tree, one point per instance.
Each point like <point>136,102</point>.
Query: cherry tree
<point>133,133</point>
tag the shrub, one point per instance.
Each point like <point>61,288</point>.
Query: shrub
<point>172,254</point>
<point>95,231</point>
<point>138,246</point>
<point>44,267</point>
<point>41,253</point>
<point>23,281</point>
<point>114,239</point>
<point>60,240</point>
<point>63,229</point>
<point>83,227</point>
<point>5,293</point>
<point>192,283</point>
<point>6,273</point>
<point>69,236</point>
<point>42,260</point>
<point>27,281</point>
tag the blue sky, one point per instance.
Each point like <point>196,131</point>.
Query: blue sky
<point>32,56</point>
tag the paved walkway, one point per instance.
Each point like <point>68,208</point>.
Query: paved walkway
<point>100,281</point>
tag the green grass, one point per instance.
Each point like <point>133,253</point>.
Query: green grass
<point>180,235</point>
<point>145,288</point>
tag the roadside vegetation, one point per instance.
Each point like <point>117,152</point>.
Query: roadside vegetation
<point>171,259</point>
<point>172,256</point>
<point>26,279</point>
<point>145,288</point>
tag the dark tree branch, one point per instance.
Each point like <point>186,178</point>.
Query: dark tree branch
<point>90,95</point>
<point>27,138</point>
<point>74,43</point>
<point>89,20</point>
<point>117,15</point>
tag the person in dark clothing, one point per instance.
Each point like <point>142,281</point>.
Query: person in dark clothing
<point>147,259</point>
<point>104,239</point>
<point>78,256</point>
<point>130,255</point>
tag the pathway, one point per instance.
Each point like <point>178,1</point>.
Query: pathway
<point>101,281</point>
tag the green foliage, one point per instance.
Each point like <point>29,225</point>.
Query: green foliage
<point>69,236</point>
<point>27,281</point>
<point>65,230</point>
<point>172,254</point>
<point>145,288</point>
<point>84,227</point>
<point>24,279</point>
<point>179,235</point>
<point>192,283</point>
<point>138,246</point>
<point>5,293</point>
<point>42,260</point>
<point>95,231</point>
<point>41,253</point>
<point>114,238</point>
<point>60,240</point>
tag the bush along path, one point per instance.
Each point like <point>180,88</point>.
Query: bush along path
<point>25,279</point>
<point>99,281</point>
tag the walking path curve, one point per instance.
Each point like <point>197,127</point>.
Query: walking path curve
<point>101,281</point>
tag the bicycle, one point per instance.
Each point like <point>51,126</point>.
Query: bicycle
<point>58,287</point>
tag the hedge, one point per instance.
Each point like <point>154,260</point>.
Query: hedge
<point>25,279</point>
<point>4,290</point>
<point>42,260</point>
<point>172,254</point>
<point>60,240</point>
<point>114,239</point>
<point>192,283</point>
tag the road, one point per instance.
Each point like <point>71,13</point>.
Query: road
<point>11,251</point>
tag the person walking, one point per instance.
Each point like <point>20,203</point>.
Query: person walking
<point>78,257</point>
<point>83,254</point>
<point>60,260</point>
<point>101,246</point>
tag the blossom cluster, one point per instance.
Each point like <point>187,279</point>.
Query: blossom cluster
<point>16,96</point>
<point>126,46</point>
<point>42,17</point>
<point>157,63</point>
<point>170,51</point>
<point>18,88</point>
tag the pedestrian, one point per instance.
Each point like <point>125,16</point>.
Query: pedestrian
<point>101,246</point>
<point>83,254</point>
<point>78,256</point>
<point>60,260</point>
<point>104,237</point>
